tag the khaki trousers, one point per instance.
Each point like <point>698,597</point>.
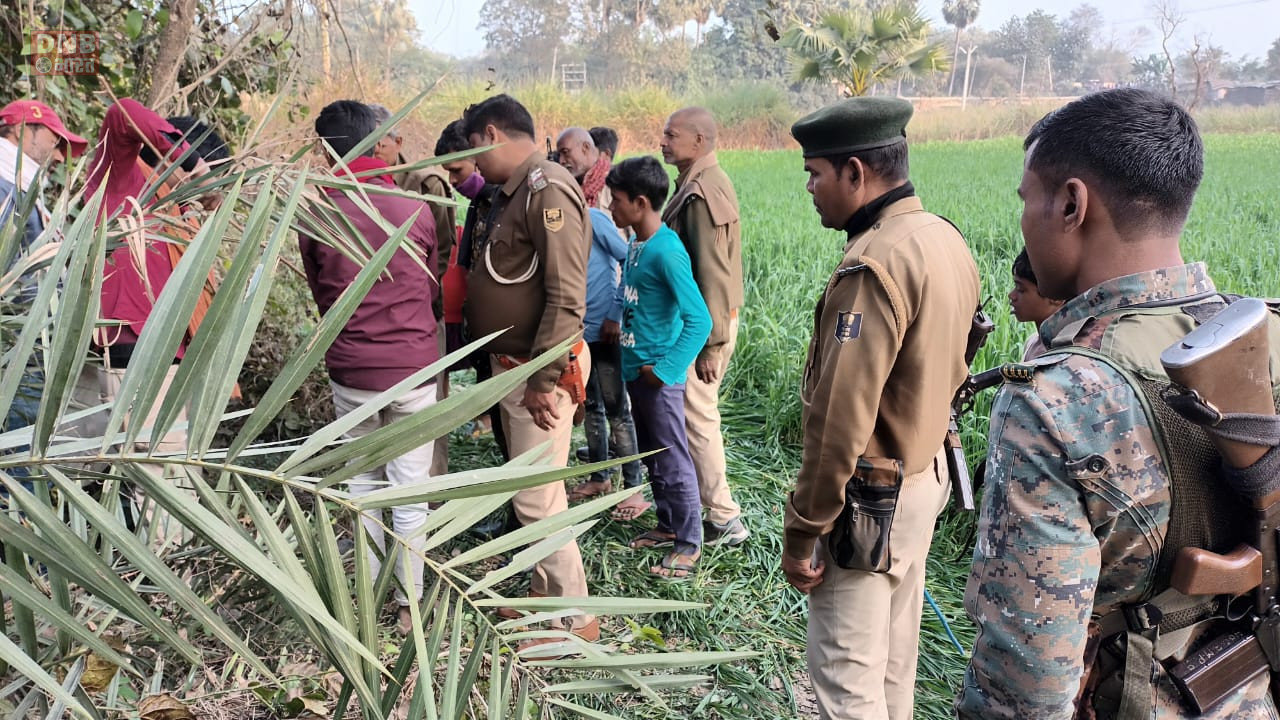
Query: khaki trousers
<point>96,386</point>
<point>560,574</point>
<point>864,628</point>
<point>706,443</point>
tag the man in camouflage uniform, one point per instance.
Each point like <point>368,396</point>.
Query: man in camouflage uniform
<point>1078,502</point>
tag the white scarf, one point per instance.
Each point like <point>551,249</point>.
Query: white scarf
<point>9,162</point>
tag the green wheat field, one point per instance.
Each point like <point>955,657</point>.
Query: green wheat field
<point>1234,226</point>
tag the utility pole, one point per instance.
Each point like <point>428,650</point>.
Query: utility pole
<point>964,91</point>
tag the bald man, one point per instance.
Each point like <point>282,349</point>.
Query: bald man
<point>578,154</point>
<point>704,212</point>
<point>608,423</point>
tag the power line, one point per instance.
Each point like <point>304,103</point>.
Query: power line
<point>1193,11</point>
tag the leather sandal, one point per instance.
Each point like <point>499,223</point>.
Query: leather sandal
<point>652,539</point>
<point>678,564</point>
<point>588,489</point>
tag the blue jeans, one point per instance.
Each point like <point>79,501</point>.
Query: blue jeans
<point>606,399</point>
<point>659,414</point>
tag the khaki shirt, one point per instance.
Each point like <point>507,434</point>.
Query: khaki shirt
<point>880,375</point>
<point>704,213</point>
<point>530,274</point>
<point>434,181</point>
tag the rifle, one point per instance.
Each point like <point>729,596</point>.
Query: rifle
<point>980,327</point>
<point>552,155</point>
<point>1223,382</point>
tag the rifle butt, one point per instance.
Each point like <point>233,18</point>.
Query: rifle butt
<point>1226,361</point>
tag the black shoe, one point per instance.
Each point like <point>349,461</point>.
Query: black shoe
<point>583,454</point>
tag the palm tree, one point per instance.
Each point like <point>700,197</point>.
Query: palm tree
<point>264,517</point>
<point>959,14</point>
<point>860,49</point>
<point>704,12</point>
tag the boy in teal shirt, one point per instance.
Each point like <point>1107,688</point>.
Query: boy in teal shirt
<point>664,324</point>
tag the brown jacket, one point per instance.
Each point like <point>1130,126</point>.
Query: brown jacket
<point>531,272</point>
<point>880,375</point>
<point>435,182</point>
<point>704,213</point>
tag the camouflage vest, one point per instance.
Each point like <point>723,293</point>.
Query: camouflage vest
<point>1202,513</point>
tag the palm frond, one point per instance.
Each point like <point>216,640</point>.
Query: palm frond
<point>272,514</point>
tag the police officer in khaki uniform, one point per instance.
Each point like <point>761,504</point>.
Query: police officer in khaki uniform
<point>704,213</point>
<point>530,274</point>
<point>886,358</point>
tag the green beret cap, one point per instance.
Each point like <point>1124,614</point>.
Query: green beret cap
<point>853,125</point>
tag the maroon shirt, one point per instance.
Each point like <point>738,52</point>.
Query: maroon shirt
<point>125,295</point>
<point>393,332</point>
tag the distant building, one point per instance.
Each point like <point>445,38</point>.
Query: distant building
<point>1245,93</point>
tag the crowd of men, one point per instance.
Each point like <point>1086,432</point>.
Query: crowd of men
<point>1071,584</point>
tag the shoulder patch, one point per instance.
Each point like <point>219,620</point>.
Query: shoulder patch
<point>553,219</point>
<point>537,179</point>
<point>848,326</point>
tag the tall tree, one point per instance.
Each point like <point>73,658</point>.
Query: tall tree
<point>1029,41</point>
<point>959,14</point>
<point>1150,72</point>
<point>671,15</point>
<point>171,47</point>
<point>1075,39</point>
<point>1168,18</point>
<point>703,10</point>
<point>738,47</point>
<point>527,34</point>
<point>1273,61</point>
<point>390,27</point>
<point>860,49</point>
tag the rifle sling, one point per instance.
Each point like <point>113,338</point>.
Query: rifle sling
<point>1169,611</point>
<point>1153,631</point>
<point>1261,430</point>
<point>1144,623</point>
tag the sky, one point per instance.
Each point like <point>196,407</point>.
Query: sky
<point>1240,26</point>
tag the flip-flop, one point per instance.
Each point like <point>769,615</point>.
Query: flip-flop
<point>677,565</point>
<point>588,489</point>
<point>630,509</point>
<point>652,539</point>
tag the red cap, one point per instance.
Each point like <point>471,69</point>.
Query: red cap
<point>34,112</point>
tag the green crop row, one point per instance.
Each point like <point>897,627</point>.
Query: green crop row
<point>1234,226</point>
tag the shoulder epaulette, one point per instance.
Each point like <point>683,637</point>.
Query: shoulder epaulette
<point>537,179</point>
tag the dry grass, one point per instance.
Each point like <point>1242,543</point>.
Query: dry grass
<point>755,116</point>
